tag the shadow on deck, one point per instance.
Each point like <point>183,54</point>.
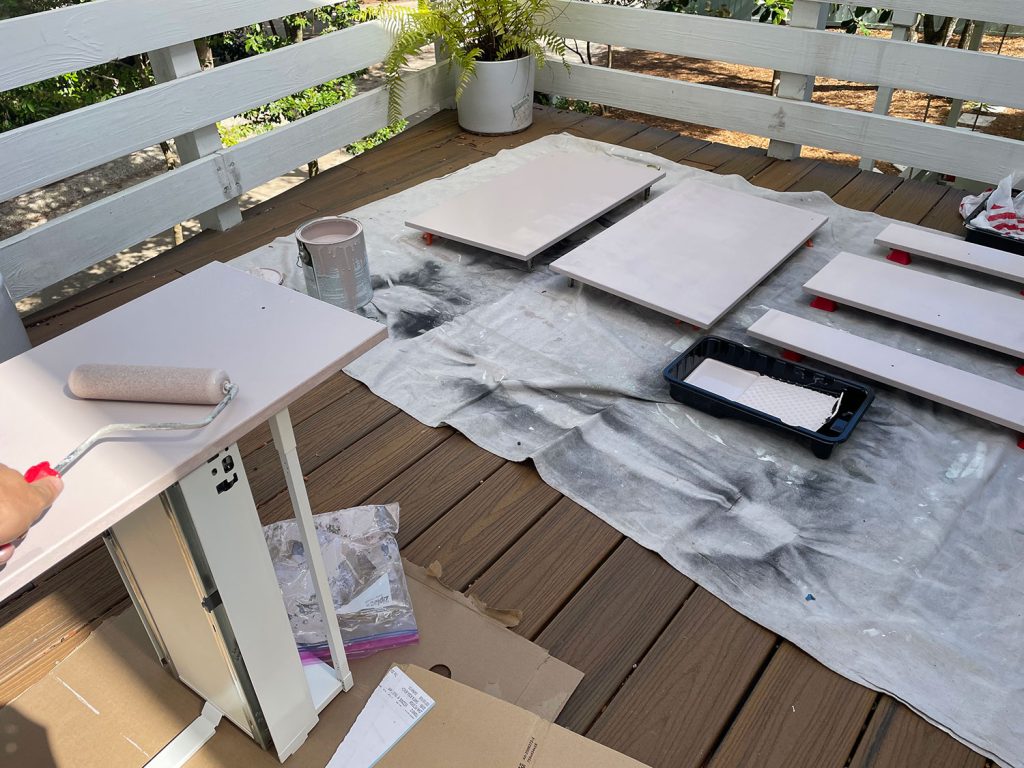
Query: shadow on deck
<point>674,677</point>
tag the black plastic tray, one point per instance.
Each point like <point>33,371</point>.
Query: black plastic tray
<point>856,397</point>
<point>989,238</point>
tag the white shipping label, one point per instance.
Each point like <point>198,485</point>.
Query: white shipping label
<point>392,709</point>
<point>377,595</point>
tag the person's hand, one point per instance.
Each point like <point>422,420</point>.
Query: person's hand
<point>21,504</point>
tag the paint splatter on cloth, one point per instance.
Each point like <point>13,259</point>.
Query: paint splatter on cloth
<point>899,563</point>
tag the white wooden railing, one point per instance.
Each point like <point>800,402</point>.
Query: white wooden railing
<point>42,45</point>
<point>802,52</point>
<point>188,102</point>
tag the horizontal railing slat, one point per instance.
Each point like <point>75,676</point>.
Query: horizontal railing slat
<point>43,45</point>
<point>60,146</point>
<point>926,68</point>
<point>59,248</point>
<point>921,145</point>
<point>994,11</point>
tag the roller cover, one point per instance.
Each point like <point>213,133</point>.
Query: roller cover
<point>148,384</point>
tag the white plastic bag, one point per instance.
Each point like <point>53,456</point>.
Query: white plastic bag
<point>1003,213</point>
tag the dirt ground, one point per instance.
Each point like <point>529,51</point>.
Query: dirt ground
<point>836,93</point>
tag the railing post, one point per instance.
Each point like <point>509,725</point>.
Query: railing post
<point>178,61</point>
<point>808,14</point>
<point>902,23</point>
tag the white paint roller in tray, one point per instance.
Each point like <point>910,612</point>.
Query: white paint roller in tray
<point>143,384</point>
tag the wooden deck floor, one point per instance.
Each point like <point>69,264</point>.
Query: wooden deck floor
<point>674,677</point>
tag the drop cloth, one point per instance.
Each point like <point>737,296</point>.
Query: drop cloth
<point>899,563</point>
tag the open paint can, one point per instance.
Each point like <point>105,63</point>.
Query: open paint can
<point>13,339</point>
<point>332,254</point>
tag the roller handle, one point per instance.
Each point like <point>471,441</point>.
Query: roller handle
<point>42,469</point>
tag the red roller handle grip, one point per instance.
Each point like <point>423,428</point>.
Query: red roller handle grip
<point>42,469</point>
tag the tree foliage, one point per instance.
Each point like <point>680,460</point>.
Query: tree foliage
<point>778,11</point>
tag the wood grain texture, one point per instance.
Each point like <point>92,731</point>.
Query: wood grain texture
<point>921,145</point>
<point>607,129</point>
<point>945,215</point>
<point>364,467</point>
<point>866,191</point>
<point>649,139</point>
<point>788,48</point>
<point>680,148</point>
<point>610,624</point>
<point>39,46</point>
<point>303,408</point>
<point>61,247</point>
<point>547,565</point>
<point>911,201</point>
<point>898,738</point>
<point>484,524</point>
<point>35,627</point>
<point>747,164</point>
<point>338,425</point>
<point>671,711</point>
<point>618,612</point>
<point>436,483</point>
<point>799,715</point>
<point>783,174</point>
<point>825,177</point>
<point>52,149</point>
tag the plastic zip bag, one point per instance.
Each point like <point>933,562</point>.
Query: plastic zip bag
<point>365,576</point>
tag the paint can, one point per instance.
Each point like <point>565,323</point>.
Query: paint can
<point>13,339</point>
<point>332,254</point>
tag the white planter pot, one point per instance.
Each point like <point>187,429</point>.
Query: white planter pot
<point>13,339</point>
<point>499,98</point>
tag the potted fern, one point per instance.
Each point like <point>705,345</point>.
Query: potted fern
<point>493,46</point>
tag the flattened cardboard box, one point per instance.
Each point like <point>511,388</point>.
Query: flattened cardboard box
<point>469,729</point>
<point>111,705</point>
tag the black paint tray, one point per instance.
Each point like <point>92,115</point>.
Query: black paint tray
<point>856,397</point>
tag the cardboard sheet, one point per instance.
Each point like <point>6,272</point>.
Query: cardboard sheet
<point>468,729</point>
<point>110,705</point>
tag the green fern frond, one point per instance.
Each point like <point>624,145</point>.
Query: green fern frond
<point>469,31</point>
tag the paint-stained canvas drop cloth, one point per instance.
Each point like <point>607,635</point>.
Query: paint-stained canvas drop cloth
<point>910,539</point>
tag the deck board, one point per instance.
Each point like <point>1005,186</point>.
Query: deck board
<point>479,529</point>
<point>672,710</point>
<point>674,677</point>
<point>799,715</point>
<point>538,574</point>
<point>897,738</point>
<point>610,624</point>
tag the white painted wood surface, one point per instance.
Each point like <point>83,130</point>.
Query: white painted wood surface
<point>216,316</point>
<point>941,149</point>
<point>902,22</point>
<point>61,247</point>
<point>171,63</point>
<point>805,14</point>
<point>986,318</point>
<point>996,11</point>
<point>693,252</point>
<point>952,250</point>
<point>990,400</point>
<point>521,213</point>
<point>55,148</point>
<point>926,68</point>
<point>43,45</point>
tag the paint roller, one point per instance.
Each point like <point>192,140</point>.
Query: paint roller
<point>142,384</point>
